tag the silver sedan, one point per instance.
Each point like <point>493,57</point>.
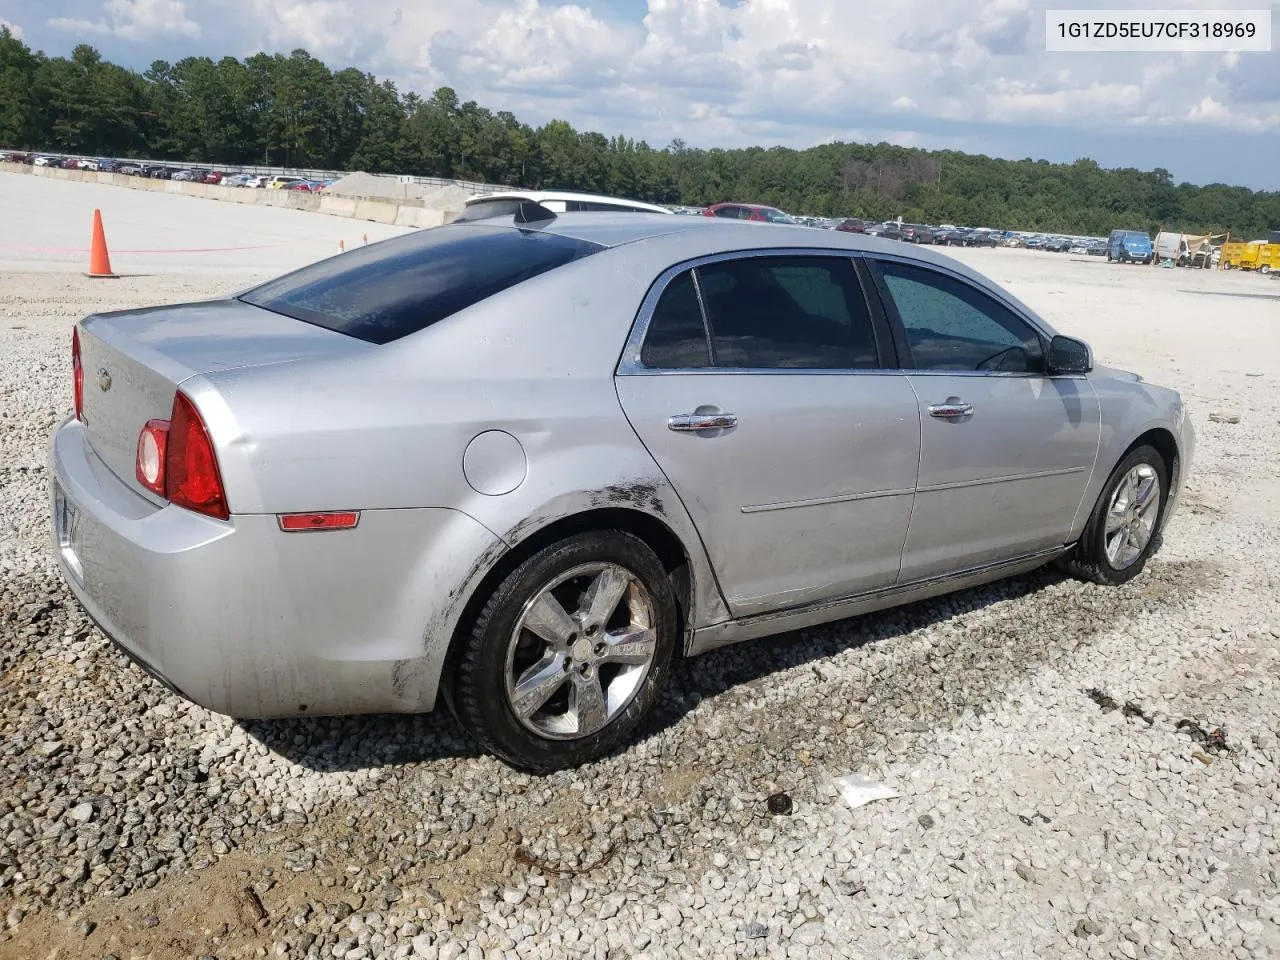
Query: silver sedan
<point>522,463</point>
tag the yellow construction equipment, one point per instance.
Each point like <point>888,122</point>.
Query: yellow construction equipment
<point>1254,255</point>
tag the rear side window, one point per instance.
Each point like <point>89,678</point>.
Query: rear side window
<point>389,290</point>
<point>677,337</point>
<point>787,313</point>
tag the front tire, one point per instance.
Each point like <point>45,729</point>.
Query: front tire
<point>568,653</point>
<point>1123,530</point>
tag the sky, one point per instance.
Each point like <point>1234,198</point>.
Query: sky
<point>969,75</point>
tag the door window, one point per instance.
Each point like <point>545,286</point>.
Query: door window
<point>953,326</point>
<point>677,337</point>
<point>791,312</point>
<point>787,312</point>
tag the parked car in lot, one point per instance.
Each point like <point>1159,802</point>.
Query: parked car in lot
<point>45,162</point>
<point>561,450</point>
<point>889,230</point>
<point>749,211</point>
<point>239,180</point>
<point>1129,246</point>
<point>922,233</point>
<point>213,176</point>
<point>852,225</point>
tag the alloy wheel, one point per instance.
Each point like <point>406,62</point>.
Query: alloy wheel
<point>1131,516</point>
<point>580,651</point>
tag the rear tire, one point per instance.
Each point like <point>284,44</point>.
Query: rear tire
<point>1124,529</point>
<point>606,629</point>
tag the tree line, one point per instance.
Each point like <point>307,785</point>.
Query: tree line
<point>294,111</point>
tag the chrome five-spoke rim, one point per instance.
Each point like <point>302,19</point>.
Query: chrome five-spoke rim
<point>580,651</point>
<point>1131,518</point>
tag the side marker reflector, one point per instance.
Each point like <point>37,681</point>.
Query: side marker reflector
<point>298,522</point>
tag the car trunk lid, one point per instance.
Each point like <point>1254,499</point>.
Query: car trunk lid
<point>134,361</point>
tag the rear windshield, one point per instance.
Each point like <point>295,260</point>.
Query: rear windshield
<point>389,290</point>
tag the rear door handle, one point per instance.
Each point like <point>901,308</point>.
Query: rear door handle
<point>953,409</point>
<point>694,422</point>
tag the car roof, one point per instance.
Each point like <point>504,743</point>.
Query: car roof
<point>541,196</point>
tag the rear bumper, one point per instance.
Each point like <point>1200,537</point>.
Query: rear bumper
<point>252,622</point>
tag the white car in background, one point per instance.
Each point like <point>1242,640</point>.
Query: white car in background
<point>484,206</point>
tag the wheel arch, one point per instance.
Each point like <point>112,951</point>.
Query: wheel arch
<point>1162,440</point>
<point>654,532</point>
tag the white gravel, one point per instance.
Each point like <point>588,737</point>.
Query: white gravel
<point>1032,822</point>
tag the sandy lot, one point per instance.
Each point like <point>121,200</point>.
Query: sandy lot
<point>1032,820</point>
<point>47,224</point>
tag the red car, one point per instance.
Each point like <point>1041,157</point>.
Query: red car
<point>853,225</point>
<point>749,211</point>
<point>213,176</point>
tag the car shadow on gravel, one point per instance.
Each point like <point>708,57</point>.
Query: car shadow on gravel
<point>333,744</point>
<point>719,671</point>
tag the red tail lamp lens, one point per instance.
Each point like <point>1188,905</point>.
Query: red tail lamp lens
<point>192,479</point>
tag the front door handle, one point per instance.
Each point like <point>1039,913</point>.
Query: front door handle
<point>952,409</point>
<point>694,422</point>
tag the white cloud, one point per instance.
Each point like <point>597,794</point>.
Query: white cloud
<point>79,26</point>
<point>134,20</point>
<point>13,28</point>
<point>143,19</point>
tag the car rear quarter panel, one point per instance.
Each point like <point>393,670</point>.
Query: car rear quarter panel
<point>388,428</point>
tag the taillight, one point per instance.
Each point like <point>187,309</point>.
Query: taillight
<point>77,373</point>
<point>149,465</point>
<point>175,459</point>
<point>192,479</point>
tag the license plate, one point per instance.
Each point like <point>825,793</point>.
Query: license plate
<point>69,532</point>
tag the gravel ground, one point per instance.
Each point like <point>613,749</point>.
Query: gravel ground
<point>1035,818</point>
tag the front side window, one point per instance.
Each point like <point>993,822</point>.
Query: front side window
<point>729,213</point>
<point>953,326</point>
<point>787,313</point>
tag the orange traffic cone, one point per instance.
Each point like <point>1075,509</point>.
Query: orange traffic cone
<point>99,261</point>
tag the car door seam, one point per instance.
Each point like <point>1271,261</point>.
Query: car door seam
<point>915,493</point>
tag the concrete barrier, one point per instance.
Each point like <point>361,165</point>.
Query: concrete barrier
<point>377,211</point>
<point>403,214</point>
<point>337,206</point>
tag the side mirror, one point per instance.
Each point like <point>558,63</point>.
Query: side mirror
<point>1068,355</point>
